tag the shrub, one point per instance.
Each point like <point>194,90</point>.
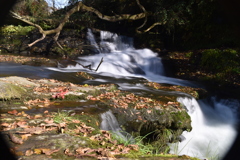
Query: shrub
<point>221,61</point>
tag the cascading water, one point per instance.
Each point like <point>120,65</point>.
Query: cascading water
<point>213,124</point>
<point>122,60</point>
<point>213,129</point>
<point>110,123</point>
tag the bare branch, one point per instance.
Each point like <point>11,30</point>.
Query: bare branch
<point>99,64</point>
<point>152,26</point>
<point>80,6</point>
<point>43,36</point>
<point>15,15</point>
<point>145,20</point>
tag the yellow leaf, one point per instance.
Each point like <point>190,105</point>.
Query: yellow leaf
<point>38,151</point>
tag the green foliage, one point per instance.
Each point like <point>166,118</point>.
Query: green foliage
<point>18,30</point>
<point>62,116</point>
<point>221,61</point>
<point>144,148</point>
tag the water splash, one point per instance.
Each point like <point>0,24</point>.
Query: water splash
<point>110,123</point>
<point>213,129</point>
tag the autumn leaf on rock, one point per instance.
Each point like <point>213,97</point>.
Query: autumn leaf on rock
<point>28,152</point>
<point>47,120</point>
<point>4,124</point>
<point>49,151</point>
<point>35,130</point>
<point>84,150</point>
<point>25,136</point>
<point>22,124</point>
<point>75,121</point>
<point>15,139</point>
<point>14,112</point>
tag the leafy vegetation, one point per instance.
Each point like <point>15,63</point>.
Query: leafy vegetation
<point>221,61</point>
<point>18,30</point>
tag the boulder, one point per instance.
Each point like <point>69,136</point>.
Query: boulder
<point>10,91</point>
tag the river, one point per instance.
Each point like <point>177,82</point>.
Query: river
<point>214,120</point>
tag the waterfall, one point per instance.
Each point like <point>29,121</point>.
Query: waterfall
<point>110,123</point>
<point>122,60</point>
<point>92,41</point>
<point>213,129</point>
<point>213,123</point>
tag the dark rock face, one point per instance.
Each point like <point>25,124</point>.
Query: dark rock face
<point>72,42</point>
<point>158,127</point>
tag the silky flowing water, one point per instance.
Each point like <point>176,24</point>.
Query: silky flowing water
<point>213,120</point>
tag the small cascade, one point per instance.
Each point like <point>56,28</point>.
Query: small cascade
<point>122,61</point>
<point>213,130</point>
<point>110,123</point>
<point>92,41</point>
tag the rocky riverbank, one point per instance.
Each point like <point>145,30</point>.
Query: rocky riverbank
<point>50,119</point>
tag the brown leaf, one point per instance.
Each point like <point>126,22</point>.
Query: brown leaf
<point>149,111</point>
<point>45,112</point>
<point>38,151</point>
<point>75,121</point>
<point>67,151</point>
<point>28,152</point>
<point>15,139</point>
<point>25,136</point>
<point>134,147</point>
<point>14,112</point>
<point>126,150</point>
<point>49,151</point>
<point>35,130</point>
<point>4,124</point>
<point>47,120</point>
<point>22,124</point>
<point>37,116</point>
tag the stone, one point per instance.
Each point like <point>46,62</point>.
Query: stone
<point>10,91</point>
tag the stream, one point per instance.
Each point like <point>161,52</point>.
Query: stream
<point>214,120</point>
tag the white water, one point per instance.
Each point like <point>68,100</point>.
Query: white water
<point>122,60</point>
<point>213,129</point>
<point>110,123</point>
<point>213,124</point>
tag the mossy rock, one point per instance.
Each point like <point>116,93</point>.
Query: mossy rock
<point>10,91</point>
<point>158,127</point>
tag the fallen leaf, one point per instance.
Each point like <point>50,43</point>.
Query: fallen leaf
<point>4,124</point>
<point>49,151</point>
<point>47,120</point>
<point>25,136</point>
<point>75,121</point>
<point>35,130</point>
<point>149,111</point>
<point>14,112</point>
<point>22,124</point>
<point>37,116</point>
<point>15,139</point>
<point>28,152</point>
<point>38,151</point>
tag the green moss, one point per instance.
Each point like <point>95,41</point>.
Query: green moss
<point>181,120</point>
<point>72,97</point>
<point>9,91</point>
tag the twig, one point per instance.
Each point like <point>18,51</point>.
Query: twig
<point>99,64</point>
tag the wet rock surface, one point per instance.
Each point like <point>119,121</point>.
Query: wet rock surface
<point>34,133</point>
